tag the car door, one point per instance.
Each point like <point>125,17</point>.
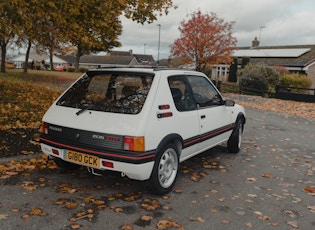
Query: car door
<point>215,119</point>
<point>186,123</point>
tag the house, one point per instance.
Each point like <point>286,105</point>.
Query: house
<point>140,59</point>
<point>94,61</point>
<point>294,58</point>
<point>37,60</point>
<point>117,58</point>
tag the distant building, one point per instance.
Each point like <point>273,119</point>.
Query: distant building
<point>140,59</point>
<point>112,58</point>
<point>37,59</point>
<point>294,58</point>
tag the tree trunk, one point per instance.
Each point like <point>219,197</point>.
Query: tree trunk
<point>51,59</point>
<point>3,45</point>
<point>77,59</point>
<point>29,45</point>
<point>3,54</point>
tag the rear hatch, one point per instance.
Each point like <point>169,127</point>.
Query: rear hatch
<point>100,109</point>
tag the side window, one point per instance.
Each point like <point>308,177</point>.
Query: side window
<point>181,93</point>
<point>204,92</point>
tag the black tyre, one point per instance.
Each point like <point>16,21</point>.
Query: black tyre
<point>235,140</point>
<point>66,165</point>
<point>164,174</point>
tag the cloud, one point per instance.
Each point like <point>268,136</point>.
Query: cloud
<point>286,22</point>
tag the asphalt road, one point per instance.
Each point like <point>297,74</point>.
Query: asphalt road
<point>267,185</point>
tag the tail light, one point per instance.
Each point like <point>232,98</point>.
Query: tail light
<point>134,144</point>
<point>45,128</point>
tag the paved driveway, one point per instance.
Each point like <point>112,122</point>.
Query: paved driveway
<point>267,185</point>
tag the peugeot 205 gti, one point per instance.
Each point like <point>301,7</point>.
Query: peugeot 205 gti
<point>141,122</point>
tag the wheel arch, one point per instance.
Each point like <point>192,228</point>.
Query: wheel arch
<point>241,116</point>
<point>172,138</point>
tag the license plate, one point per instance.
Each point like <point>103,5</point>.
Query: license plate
<point>82,159</point>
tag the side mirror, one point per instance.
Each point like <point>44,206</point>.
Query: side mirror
<point>229,103</point>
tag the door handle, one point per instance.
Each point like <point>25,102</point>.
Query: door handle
<point>203,116</point>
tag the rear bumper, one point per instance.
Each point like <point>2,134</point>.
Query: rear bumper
<point>135,167</point>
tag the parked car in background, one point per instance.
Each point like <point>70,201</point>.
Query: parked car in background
<point>59,68</point>
<point>141,122</point>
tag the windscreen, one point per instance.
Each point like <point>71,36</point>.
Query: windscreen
<point>113,92</point>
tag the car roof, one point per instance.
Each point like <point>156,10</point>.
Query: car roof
<point>142,69</point>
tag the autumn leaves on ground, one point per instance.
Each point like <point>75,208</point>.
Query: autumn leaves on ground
<point>25,98</point>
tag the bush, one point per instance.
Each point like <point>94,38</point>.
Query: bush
<point>295,80</point>
<point>71,69</point>
<point>83,69</point>
<point>258,78</point>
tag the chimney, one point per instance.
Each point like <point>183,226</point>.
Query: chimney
<point>255,42</point>
<point>130,51</point>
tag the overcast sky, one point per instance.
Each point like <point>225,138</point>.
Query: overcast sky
<point>275,22</point>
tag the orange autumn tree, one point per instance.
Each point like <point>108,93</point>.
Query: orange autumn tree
<point>204,39</point>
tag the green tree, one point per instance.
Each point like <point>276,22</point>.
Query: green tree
<point>204,39</point>
<point>97,28</point>
<point>90,25</point>
<point>9,23</point>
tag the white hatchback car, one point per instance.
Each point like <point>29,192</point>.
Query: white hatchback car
<point>141,122</point>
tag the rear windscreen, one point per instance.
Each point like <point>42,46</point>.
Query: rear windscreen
<point>109,92</point>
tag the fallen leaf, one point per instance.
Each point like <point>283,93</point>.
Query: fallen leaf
<point>311,208</point>
<point>225,221</point>
<point>118,210</point>
<point>61,201</point>
<point>37,212</point>
<point>88,199</point>
<point>309,189</point>
<point>71,205</point>
<point>150,205</point>
<point>15,210</point>
<point>75,226</point>
<point>252,195</point>
<point>197,219</point>
<point>3,216</point>
<point>263,217</point>
<point>146,218</point>
<point>167,224</point>
<point>98,202</point>
<point>126,227</point>
<point>267,175</point>
<point>293,224</point>
<point>195,177</point>
<point>26,216</point>
<point>257,213</point>
<point>251,180</point>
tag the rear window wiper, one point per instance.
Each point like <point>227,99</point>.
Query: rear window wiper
<point>85,108</point>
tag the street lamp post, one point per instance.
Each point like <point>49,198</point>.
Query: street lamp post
<point>158,61</point>
<point>262,27</point>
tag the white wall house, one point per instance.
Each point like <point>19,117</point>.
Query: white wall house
<point>37,58</point>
